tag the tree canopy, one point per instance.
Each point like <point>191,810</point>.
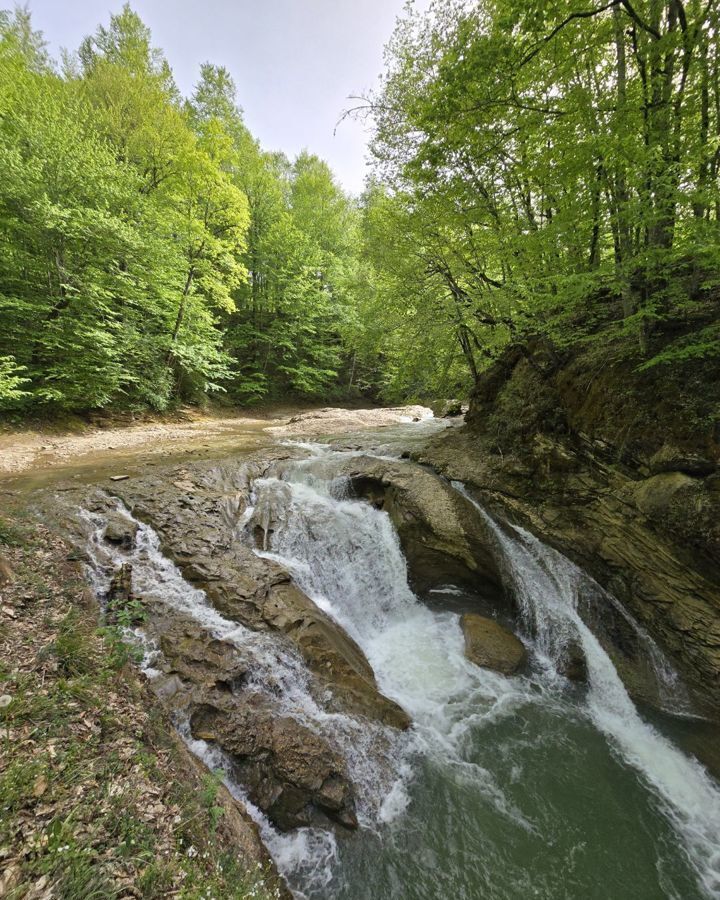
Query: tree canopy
<point>549,166</point>
<point>545,166</point>
<point>151,250</point>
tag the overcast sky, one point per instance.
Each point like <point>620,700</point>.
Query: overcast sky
<point>295,62</point>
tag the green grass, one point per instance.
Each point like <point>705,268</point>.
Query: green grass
<point>10,534</point>
<point>96,791</point>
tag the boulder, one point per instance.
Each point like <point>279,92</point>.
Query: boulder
<point>291,773</point>
<point>120,531</point>
<point>672,459</point>
<point>491,646</point>
<point>442,537</point>
<point>573,664</point>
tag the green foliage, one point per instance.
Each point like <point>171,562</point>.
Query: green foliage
<point>11,380</point>
<point>532,159</point>
<point>10,534</point>
<point>212,782</point>
<point>127,613</point>
<point>120,651</point>
<point>73,866</point>
<point>549,167</point>
<point>150,251</point>
<point>73,647</point>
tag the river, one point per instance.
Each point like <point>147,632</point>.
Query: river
<point>504,787</point>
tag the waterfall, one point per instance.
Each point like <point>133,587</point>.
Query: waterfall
<point>546,585</point>
<point>346,556</point>
<point>370,750</point>
<point>486,794</point>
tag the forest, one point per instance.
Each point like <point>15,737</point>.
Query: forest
<point>360,545</point>
<point>538,167</point>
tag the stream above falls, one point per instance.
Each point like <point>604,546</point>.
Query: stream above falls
<point>504,786</point>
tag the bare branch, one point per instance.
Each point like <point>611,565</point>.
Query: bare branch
<point>586,14</point>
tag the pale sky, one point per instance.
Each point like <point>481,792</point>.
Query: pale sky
<point>295,62</point>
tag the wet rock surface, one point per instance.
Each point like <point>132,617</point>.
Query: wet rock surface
<point>491,646</point>
<point>197,513</point>
<point>645,523</point>
<point>290,771</point>
<point>573,664</point>
<point>120,531</point>
<point>442,538</point>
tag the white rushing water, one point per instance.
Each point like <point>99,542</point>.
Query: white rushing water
<point>371,750</point>
<point>546,585</point>
<point>346,555</point>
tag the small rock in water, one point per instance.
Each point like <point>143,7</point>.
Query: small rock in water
<point>491,646</point>
<point>121,531</point>
<point>573,664</point>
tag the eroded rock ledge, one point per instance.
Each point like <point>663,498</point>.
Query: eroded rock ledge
<point>197,511</point>
<point>442,537</point>
<point>292,768</point>
<point>641,516</point>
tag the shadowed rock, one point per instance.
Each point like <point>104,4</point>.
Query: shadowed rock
<point>572,467</point>
<point>291,772</point>
<point>442,538</point>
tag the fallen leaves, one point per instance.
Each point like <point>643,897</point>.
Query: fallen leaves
<point>87,776</point>
<point>40,786</point>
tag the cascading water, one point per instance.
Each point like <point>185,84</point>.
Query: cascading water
<point>369,749</point>
<point>510,788</point>
<point>504,787</point>
<point>546,585</point>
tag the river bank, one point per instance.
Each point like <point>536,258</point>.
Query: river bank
<point>300,605</point>
<point>99,796</point>
<point>27,450</point>
<point>617,469</point>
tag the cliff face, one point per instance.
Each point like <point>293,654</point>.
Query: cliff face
<point>617,469</point>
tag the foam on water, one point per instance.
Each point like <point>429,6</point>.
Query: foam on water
<point>371,750</point>
<point>346,555</point>
<point>546,585</point>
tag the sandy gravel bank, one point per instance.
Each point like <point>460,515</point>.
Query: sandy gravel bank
<point>27,450</point>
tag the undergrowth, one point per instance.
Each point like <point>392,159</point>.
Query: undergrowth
<point>98,797</point>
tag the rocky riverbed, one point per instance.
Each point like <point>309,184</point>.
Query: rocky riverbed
<point>315,617</point>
